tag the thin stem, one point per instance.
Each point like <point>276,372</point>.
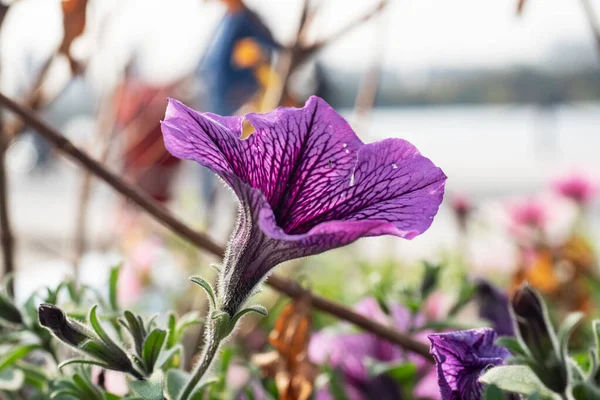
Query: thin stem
<point>209,352</point>
<point>6,230</point>
<point>201,240</point>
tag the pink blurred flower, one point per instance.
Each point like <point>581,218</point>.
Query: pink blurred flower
<point>113,381</point>
<point>577,187</point>
<point>461,204</point>
<point>530,213</point>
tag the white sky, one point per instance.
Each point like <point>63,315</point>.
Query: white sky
<point>168,36</point>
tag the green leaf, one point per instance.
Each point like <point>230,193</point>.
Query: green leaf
<point>514,378</point>
<point>60,393</point>
<point>95,349</point>
<point>567,327</point>
<point>16,354</point>
<point>257,309</point>
<point>596,332</point>
<point>208,288</point>
<point>149,389</point>
<point>93,317</point>
<point>112,287</point>
<point>91,391</point>
<point>586,391</point>
<point>135,330</point>
<point>176,380</point>
<point>493,392</point>
<point>430,279</point>
<point>512,344</point>
<point>11,379</point>
<point>152,347</point>
<point>402,373</point>
<point>171,330</point>
<point>83,361</point>
<point>166,355</point>
<point>336,384</point>
<point>34,375</point>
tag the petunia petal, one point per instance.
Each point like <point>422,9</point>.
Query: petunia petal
<point>461,357</point>
<point>306,184</point>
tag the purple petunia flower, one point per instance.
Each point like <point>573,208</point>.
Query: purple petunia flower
<point>461,357</point>
<point>351,352</point>
<point>305,183</point>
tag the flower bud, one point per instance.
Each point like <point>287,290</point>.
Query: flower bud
<point>65,329</point>
<point>538,334</point>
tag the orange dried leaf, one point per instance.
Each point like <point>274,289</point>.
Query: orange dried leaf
<point>520,6</point>
<point>294,374</point>
<point>74,15</point>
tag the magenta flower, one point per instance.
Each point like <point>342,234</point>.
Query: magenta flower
<point>305,183</point>
<point>576,187</point>
<point>462,357</point>
<point>529,213</point>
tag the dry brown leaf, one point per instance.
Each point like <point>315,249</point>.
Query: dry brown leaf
<point>74,14</point>
<point>520,6</point>
<point>294,374</point>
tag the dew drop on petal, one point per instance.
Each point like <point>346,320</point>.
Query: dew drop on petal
<point>394,166</point>
<point>352,180</point>
<point>347,151</point>
<point>344,145</point>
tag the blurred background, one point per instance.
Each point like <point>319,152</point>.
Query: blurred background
<point>502,95</point>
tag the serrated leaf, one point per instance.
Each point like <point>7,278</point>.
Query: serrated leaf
<point>152,347</point>
<point>175,381</point>
<point>203,283</point>
<point>514,378</point>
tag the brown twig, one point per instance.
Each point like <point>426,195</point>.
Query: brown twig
<point>367,91</point>
<point>593,22</point>
<point>201,240</point>
<point>299,52</point>
<point>6,230</point>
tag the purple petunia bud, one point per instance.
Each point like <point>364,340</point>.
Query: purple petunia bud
<point>538,334</point>
<point>65,329</point>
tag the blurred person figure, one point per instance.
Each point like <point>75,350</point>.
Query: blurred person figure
<point>235,68</point>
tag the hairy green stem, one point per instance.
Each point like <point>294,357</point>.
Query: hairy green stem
<point>213,342</point>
